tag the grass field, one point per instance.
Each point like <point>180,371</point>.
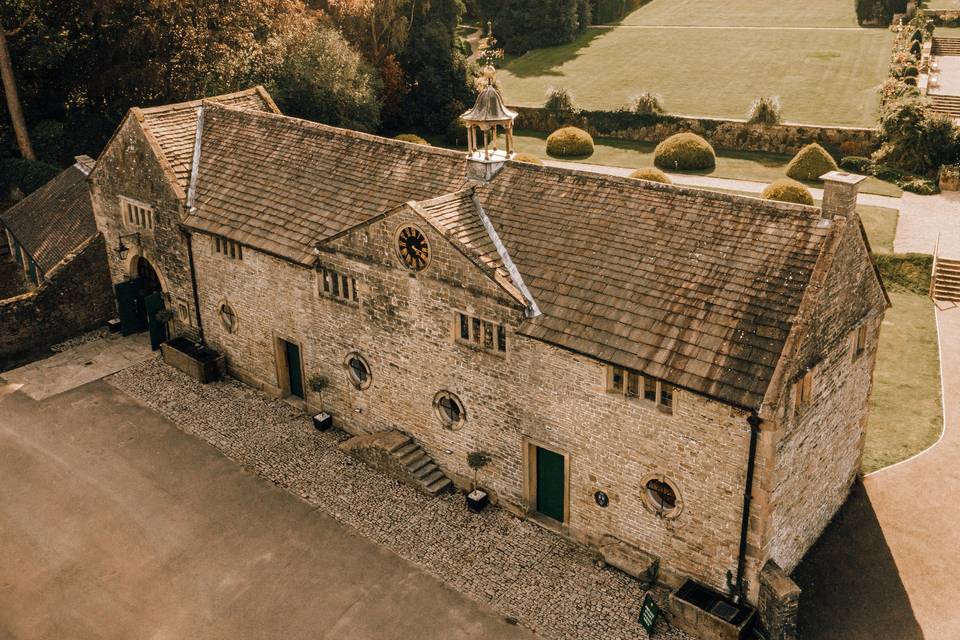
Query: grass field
<point>906,415</point>
<point>822,75</point>
<point>735,165</point>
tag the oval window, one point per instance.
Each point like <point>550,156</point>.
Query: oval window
<point>449,409</point>
<point>358,370</point>
<point>661,496</point>
<point>228,318</point>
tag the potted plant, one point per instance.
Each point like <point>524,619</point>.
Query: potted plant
<point>323,420</point>
<point>477,499</point>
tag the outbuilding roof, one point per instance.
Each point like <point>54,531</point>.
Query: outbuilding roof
<point>56,218</point>
<point>697,288</point>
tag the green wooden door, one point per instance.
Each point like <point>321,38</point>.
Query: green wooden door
<point>128,306</point>
<point>550,484</point>
<point>293,369</point>
<point>158,328</point>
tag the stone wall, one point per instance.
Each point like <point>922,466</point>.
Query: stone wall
<point>735,135</point>
<point>943,17</point>
<point>824,439</point>
<point>778,603</point>
<point>404,326</point>
<point>130,167</point>
<point>76,296</point>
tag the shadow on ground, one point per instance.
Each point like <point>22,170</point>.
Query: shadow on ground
<point>547,61</point>
<point>850,582</point>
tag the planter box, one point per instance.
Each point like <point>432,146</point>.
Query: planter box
<point>323,421</point>
<point>710,615</point>
<point>477,501</point>
<point>950,178</point>
<point>198,362</point>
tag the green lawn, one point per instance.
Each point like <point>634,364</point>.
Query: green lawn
<point>735,165</point>
<point>753,13</point>
<point>824,76</point>
<point>906,415</point>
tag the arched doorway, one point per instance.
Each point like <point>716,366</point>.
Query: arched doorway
<point>140,302</point>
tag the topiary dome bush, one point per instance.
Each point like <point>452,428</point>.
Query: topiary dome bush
<point>911,72</point>
<point>528,157</point>
<point>788,191</point>
<point>411,137</point>
<point>652,174</point>
<point>684,151</point>
<point>569,141</point>
<point>810,163</point>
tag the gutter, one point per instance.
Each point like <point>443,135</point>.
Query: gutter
<point>754,421</point>
<point>193,282</point>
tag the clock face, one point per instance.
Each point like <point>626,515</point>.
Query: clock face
<point>413,248</point>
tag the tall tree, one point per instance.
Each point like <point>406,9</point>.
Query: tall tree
<point>13,95</point>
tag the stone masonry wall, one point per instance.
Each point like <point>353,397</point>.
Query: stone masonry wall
<point>735,135</point>
<point>825,438</point>
<point>129,167</point>
<point>404,324</point>
<point>75,297</point>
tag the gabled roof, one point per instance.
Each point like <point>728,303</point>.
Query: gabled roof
<point>56,218</point>
<point>281,184</point>
<point>174,126</point>
<point>693,287</point>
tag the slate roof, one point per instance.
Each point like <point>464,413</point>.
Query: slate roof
<point>174,126</point>
<point>281,184</point>
<point>700,289</point>
<point>55,219</point>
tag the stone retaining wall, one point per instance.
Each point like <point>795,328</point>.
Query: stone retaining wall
<point>735,135</point>
<point>943,17</point>
<point>75,297</point>
<point>778,603</point>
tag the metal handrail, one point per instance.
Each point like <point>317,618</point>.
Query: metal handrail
<point>933,270</point>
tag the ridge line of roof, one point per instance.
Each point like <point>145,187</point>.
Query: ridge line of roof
<point>163,108</point>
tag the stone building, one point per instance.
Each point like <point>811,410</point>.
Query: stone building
<point>52,240</point>
<point>661,372</point>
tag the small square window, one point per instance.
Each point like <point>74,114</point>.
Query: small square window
<point>666,396</point>
<point>616,379</point>
<point>650,389</point>
<point>633,384</point>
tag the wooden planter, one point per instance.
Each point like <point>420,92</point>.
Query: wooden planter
<point>198,362</point>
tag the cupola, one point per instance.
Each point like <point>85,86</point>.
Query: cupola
<point>484,122</point>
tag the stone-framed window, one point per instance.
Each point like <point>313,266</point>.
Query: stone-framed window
<point>803,390</point>
<point>859,340</point>
<point>358,370</point>
<point>183,312</point>
<point>136,214</point>
<point>228,248</point>
<point>449,410</point>
<point>338,285</point>
<point>480,334</point>
<point>633,385</point>
<point>228,317</point>
<point>661,496</point>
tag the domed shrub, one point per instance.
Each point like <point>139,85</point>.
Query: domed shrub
<point>856,164</point>
<point>910,81</point>
<point>560,99</point>
<point>569,141</point>
<point>411,137</point>
<point>787,191</point>
<point>685,151</point>
<point>652,174</point>
<point>810,163</point>
<point>917,36</point>
<point>911,72</point>
<point>915,49</point>
<point>765,110</point>
<point>646,104</point>
<point>529,158</point>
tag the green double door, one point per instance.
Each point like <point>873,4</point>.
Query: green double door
<point>551,484</point>
<point>138,311</point>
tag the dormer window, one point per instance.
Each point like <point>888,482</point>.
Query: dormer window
<point>136,214</point>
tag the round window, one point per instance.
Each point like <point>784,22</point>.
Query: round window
<point>228,318</point>
<point>661,496</point>
<point>358,370</point>
<point>449,409</point>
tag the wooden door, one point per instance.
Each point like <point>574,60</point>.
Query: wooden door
<point>551,486</point>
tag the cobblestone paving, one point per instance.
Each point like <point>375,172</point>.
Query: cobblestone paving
<point>524,572</point>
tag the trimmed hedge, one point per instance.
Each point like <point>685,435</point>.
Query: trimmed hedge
<point>810,163</point>
<point>685,151</point>
<point>528,158</point>
<point>25,175</point>
<point>905,271</point>
<point>651,174</point>
<point>856,164</point>
<point>787,190</point>
<point>411,137</point>
<point>569,142</point>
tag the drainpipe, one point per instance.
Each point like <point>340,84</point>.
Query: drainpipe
<point>193,283</point>
<point>754,421</point>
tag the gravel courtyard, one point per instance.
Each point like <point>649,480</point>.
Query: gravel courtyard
<point>524,572</point>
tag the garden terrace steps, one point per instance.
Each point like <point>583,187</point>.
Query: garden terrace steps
<point>949,105</point>
<point>396,454</point>
<point>946,46</point>
<point>946,280</point>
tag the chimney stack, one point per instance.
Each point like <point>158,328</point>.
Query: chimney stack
<point>840,191</point>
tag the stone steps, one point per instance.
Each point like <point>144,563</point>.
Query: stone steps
<point>946,47</point>
<point>399,456</point>
<point>946,280</point>
<point>949,105</point>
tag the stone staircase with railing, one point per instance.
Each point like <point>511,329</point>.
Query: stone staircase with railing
<point>949,105</point>
<point>945,283</point>
<point>946,46</point>
<point>399,456</point>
